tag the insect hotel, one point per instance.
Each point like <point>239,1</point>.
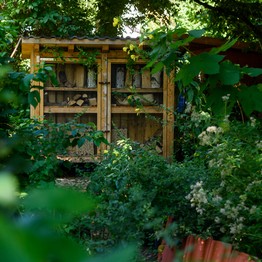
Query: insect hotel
<point>95,81</point>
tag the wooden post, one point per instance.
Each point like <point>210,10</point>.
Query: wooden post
<point>38,111</point>
<point>104,108</point>
<point>168,115</point>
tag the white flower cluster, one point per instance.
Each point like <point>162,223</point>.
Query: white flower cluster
<point>188,108</point>
<point>232,214</point>
<point>226,97</point>
<point>259,144</point>
<point>198,117</point>
<point>252,121</point>
<point>210,135</point>
<point>197,197</point>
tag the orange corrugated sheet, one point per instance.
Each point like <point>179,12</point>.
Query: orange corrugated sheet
<point>200,250</point>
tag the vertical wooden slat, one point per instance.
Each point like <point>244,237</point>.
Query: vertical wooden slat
<point>60,118</point>
<point>99,95</point>
<point>146,79</point>
<point>168,115</point>
<point>38,111</point>
<point>70,74</point>
<point>109,101</point>
<point>79,75</point>
<point>103,109</point>
<point>132,126</point>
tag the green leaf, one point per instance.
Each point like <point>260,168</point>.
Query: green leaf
<point>126,254</point>
<point>27,80</point>
<point>190,95</point>
<point>196,33</point>
<point>158,67</point>
<point>8,189</point>
<point>181,42</point>
<point>216,103</point>
<point>253,72</point>
<point>186,74</point>
<point>224,47</point>
<point>205,62</point>
<point>53,199</point>
<point>81,141</point>
<point>229,73</point>
<point>250,98</point>
<point>34,98</point>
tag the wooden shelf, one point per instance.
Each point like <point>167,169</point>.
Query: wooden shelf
<point>132,110</point>
<point>86,89</point>
<point>70,109</point>
<point>138,90</point>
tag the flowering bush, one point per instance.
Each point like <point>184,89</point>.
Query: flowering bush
<point>226,204</point>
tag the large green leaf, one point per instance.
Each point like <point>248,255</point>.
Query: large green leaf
<point>34,98</point>
<point>250,98</point>
<point>126,254</point>
<point>205,62</point>
<point>54,199</point>
<point>158,67</point>
<point>229,73</point>
<point>196,33</point>
<point>27,80</point>
<point>253,72</point>
<point>215,100</point>
<point>223,47</point>
<point>186,74</point>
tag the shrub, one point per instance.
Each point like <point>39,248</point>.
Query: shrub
<point>133,187</point>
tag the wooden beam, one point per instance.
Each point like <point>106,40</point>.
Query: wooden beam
<point>70,48</point>
<point>105,48</point>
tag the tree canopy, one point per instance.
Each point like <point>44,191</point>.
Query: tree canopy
<point>65,18</point>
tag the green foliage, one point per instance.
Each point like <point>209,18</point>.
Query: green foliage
<point>39,143</point>
<point>60,18</point>
<point>203,79</point>
<point>130,184</point>
<point>227,201</point>
<point>32,225</point>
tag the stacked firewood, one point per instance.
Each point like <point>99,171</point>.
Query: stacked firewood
<point>80,100</point>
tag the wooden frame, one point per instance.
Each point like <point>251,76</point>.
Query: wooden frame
<point>132,123</point>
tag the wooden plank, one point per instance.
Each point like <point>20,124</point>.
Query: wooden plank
<point>116,121</point>
<point>138,90</point>
<point>140,132</point>
<point>103,99</point>
<point>60,118</point>
<point>79,75</point>
<point>68,89</point>
<point>132,126</point>
<point>146,79</point>
<point>105,48</point>
<point>132,110</point>
<point>51,98</point>
<point>70,75</point>
<point>70,48</point>
<point>148,126</point>
<point>168,116</point>
<point>36,112</point>
<point>124,122</point>
<point>70,109</point>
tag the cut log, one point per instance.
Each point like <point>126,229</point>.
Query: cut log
<point>159,150</point>
<point>80,102</point>
<point>92,101</point>
<point>76,97</point>
<point>71,102</point>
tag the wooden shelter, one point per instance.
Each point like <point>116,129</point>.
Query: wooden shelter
<point>102,92</point>
<point>100,87</point>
